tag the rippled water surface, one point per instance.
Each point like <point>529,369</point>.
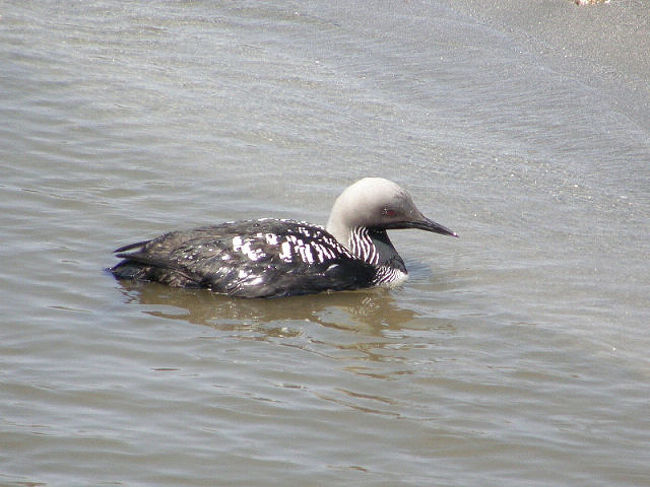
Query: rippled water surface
<point>515,355</point>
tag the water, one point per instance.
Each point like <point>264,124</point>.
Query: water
<point>516,355</point>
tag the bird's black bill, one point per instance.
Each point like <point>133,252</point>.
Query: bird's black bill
<point>423,224</point>
<point>431,226</point>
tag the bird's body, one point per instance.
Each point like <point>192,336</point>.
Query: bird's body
<point>271,257</point>
<point>251,258</point>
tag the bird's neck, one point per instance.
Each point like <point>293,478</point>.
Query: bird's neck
<point>374,247</point>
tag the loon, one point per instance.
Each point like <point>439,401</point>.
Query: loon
<point>276,257</point>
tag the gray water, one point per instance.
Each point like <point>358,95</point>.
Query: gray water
<point>515,355</point>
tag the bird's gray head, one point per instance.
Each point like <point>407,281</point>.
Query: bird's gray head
<point>376,203</point>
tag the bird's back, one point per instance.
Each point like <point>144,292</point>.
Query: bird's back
<point>252,258</point>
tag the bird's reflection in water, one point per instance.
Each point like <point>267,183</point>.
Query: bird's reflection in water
<point>366,330</point>
<point>371,311</point>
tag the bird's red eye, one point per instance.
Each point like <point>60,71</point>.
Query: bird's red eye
<point>389,212</point>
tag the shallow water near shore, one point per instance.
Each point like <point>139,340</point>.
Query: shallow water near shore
<point>515,355</point>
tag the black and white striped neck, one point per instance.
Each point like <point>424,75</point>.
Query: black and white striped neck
<point>374,247</point>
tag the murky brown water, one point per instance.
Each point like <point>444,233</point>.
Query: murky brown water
<point>516,355</point>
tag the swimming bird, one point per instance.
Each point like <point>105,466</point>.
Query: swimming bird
<point>276,257</point>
